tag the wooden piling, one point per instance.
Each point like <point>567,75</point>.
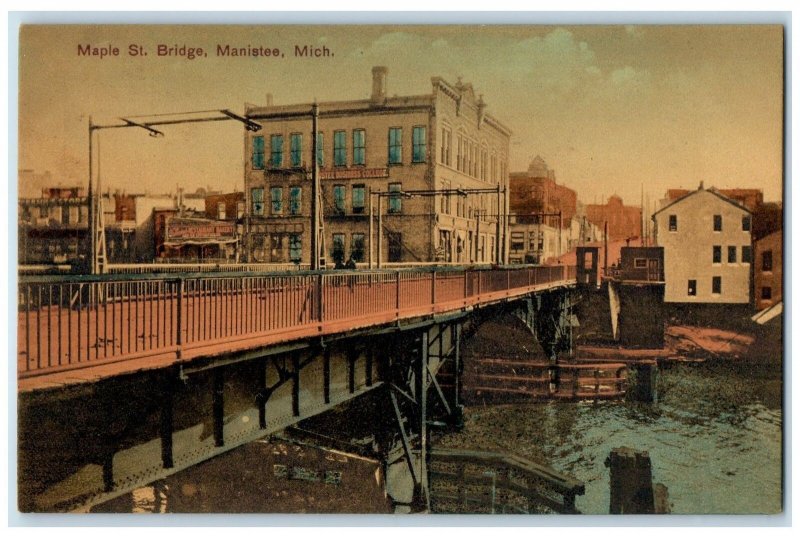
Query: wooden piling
<point>631,482</point>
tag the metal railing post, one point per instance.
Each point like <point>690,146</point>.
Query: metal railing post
<point>179,316</point>
<point>319,291</point>
<point>433,287</point>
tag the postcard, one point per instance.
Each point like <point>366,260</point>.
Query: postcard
<point>379,269</point>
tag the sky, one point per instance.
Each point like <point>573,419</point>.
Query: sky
<point>612,109</point>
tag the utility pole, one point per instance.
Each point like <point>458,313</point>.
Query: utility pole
<point>90,195</point>
<point>497,231</point>
<point>605,248</point>
<point>380,229</point>
<point>315,257</point>
<point>371,232</point>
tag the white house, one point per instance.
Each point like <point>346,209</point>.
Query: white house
<point>707,248</point>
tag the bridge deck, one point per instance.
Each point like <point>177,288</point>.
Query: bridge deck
<point>84,329</point>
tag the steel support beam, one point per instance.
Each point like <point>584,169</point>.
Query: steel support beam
<point>218,406</point>
<point>295,385</point>
<point>326,375</point>
<point>166,422</point>
<point>403,437</point>
<point>262,396</point>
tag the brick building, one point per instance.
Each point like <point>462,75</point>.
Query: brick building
<point>443,139</point>
<point>768,270</point>
<point>228,206</point>
<point>624,222</point>
<point>535,191</point>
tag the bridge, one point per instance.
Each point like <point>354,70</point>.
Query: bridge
<point>127,378</point>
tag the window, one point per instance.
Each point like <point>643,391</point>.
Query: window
<point>276,148</point>
<point>517,241</point>
<point>673,223</point>
<point>746,223</point>
<point>747,254</point>
<point>296,149</point>
<point>239,209</point>
<point>395,145</point>
<point>419,141</point>
<point>339,148</point>
<point>484,163</point>
<point>460,154</point>
<point>276,195</point>
<point>731,254</point>
<point>766,292</point>
<point>717,254</point>
<point>692,291</point>
<point>716,284</point>
<point>359,146</point>
<point>446,136</point>
<point>640,263</point>
<point>258,152</point>
<point>221,210</point>
<point>395,241</point>
<point>295,247</point>
<point>276,248</point>
<point>358,198</point>
<point>338,199</point>
<point>64,215</point>
<point>717,223</point>
<point>295,200</point>
<point>357,247</point>
<point>257,196</point>
<point>320,152</point>
<point>337,251</point>
<point>395,202</point>
<point>766,260</point>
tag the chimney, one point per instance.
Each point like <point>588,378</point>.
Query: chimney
<point>269,99</point>
<point>481,110</point>
<point>379,74</point>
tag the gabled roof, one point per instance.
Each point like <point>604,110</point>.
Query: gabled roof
<point>711,191</point>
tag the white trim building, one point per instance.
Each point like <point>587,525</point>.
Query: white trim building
<point>707,248</point>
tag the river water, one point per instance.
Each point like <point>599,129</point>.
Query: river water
<point>714,438</point>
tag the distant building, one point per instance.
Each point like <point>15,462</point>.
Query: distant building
<point>444,139</point>
<point>767,219</point>
<point>53,228</point>
<point>535,192</point>
<point>639,264</point>
<point>768,270</point>
<point>624,222</point>
<point>129,237</point>
<point>535,243</point>
<point>636,297</point>
<point>228,206</point>
<point>707,248</point>
<point>184,239</point>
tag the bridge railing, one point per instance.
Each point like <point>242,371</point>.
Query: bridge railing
<point>67,322</point>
